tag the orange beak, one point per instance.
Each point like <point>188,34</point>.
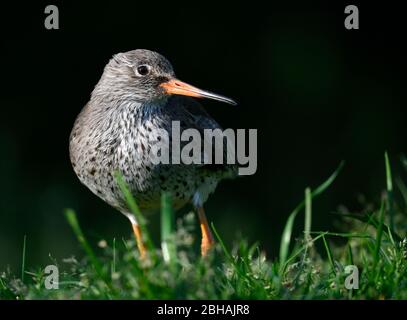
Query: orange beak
<point>175,86</point>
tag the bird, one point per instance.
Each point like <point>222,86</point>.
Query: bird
<point>138,95</point>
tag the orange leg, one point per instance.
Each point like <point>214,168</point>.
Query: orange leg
<point>207,238</point>
<point>139,239</point>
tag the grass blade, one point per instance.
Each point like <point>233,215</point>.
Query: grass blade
<point>131,202</point>
<point>114,257</point>
<point>329,254</point>
<point>167,229</point>
<point>286,236</point>
<point>389,186</point>
<point>379,238</point>
<point>389,181</point>
<point>350,255</point>
<point>344,234</point>
<point>229,255</point>
<point>129,198</point>
<point>73,222</point>
<point>222,244</point>
<point>308,214</point>
<point>403,189</point>
<point>371,220</point>
<point>23,258</point>
<point>298,251</point>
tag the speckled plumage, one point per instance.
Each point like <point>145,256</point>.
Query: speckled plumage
<point>118,126</point>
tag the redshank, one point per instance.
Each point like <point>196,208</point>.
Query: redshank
<point>138,95</point>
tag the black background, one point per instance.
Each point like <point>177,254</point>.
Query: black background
<point>316,92</point>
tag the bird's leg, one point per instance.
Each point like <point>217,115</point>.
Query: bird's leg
<point>139,239</point>
<point>138,235</point>
<point>207,238</point>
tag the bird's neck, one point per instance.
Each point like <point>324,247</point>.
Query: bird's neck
<point>104,110</point>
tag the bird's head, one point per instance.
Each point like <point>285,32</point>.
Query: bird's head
<point>146,76</point>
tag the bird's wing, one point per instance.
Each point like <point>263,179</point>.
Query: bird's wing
<point>192,115</point>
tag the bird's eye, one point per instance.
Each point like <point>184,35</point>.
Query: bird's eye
<point>143,70</point>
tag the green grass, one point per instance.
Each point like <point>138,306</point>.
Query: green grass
<point>312,267</point>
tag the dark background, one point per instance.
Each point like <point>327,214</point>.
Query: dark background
<point>316,92</point>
